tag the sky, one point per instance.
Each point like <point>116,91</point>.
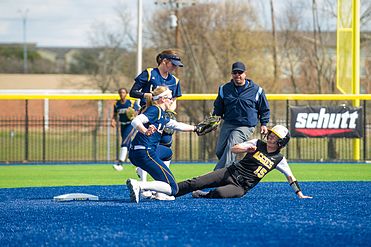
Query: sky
<point>66,23</point>
<point>63,23</point>
<point>57,22</point>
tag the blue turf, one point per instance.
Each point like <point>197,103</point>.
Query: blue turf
<point>270,215</point>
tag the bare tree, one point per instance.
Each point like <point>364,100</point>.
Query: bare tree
<point>213,35</point>
<point>108,60</point>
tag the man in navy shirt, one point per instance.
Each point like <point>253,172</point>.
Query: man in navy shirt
<point>242,105</point>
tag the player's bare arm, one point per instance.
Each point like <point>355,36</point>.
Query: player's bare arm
<point>295,186</point>
<point>113,120</point>
<point>243,148</point>
<point>173,124</point>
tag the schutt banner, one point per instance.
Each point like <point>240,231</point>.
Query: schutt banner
<point>318,121</point>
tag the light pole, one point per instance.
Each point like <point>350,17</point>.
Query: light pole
<point>24,24</point>
<point>139,37</point>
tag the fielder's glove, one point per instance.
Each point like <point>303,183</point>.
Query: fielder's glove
<point>172,115</point>
<point>209,124</point>
<point>130,113</point>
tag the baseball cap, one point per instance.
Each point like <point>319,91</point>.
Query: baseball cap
<point>238,66</point>
<point>173,58</point>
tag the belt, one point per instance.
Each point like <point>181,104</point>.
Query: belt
<point>139,147</point>
<point>237,176</point>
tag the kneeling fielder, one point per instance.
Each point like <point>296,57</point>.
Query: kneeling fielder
<point>144,151</point>
<point>237,179</point>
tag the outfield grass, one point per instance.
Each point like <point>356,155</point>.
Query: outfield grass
<point>79,175</point>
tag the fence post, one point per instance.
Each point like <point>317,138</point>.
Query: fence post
<point>364,131</point>
<point>203,139</point>
<point>190,143</point>
<point>26,132</point>
<point>109,135</point>
<point>44,140</point>
<point>287,125</point>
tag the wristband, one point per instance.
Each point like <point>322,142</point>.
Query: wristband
<point>295,186</point>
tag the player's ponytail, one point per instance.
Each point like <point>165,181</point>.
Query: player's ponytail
<point>157,91</point>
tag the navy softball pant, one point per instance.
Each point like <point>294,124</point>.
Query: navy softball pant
<point>150,161</point>
<point>126,133</point>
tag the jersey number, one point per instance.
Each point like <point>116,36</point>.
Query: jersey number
<point>160,128</point>
<point>260,172</point>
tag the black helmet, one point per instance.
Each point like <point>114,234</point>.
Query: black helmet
<point>282,133</point>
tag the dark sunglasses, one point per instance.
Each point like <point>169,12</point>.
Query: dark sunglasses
<point>237,72</point>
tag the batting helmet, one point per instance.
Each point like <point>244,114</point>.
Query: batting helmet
<point>282,133</point>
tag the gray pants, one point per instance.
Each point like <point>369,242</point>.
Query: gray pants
<point>229,136</point>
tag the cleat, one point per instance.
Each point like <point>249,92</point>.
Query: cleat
<point>163,197</point>
<point>134,190</point>
<point>199,194</point>
<point>147,194</point>
<point>118,167</point>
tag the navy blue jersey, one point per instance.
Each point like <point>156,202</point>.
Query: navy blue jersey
<point>151,78</point>
<point>243,106</point>
<point>120,109</point>
<point>156,117</point>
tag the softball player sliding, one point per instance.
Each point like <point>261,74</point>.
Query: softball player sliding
<point>145,151</point>
<point>121,115</point>
<point>236,180</point>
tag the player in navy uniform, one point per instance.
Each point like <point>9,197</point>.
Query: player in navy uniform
<point>120,115</point>
<point>237,179</point>
<point>144,150</point>
<point>168,61</point>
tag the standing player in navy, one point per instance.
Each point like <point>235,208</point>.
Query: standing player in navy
<point>168,61</point>
<point>237,179</point>
<point>123,112</point>
<point>144,150</point>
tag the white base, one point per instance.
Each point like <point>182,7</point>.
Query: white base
<point>75,197</point>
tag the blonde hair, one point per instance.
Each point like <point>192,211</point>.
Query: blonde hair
<point>157,91</point>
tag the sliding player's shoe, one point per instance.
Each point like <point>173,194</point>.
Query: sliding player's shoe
<point>134,190</point>
<point>199,194</point>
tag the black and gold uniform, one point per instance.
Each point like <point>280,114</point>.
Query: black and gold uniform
<point>237,179</point>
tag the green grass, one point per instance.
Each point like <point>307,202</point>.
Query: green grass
<point>83,175</point>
